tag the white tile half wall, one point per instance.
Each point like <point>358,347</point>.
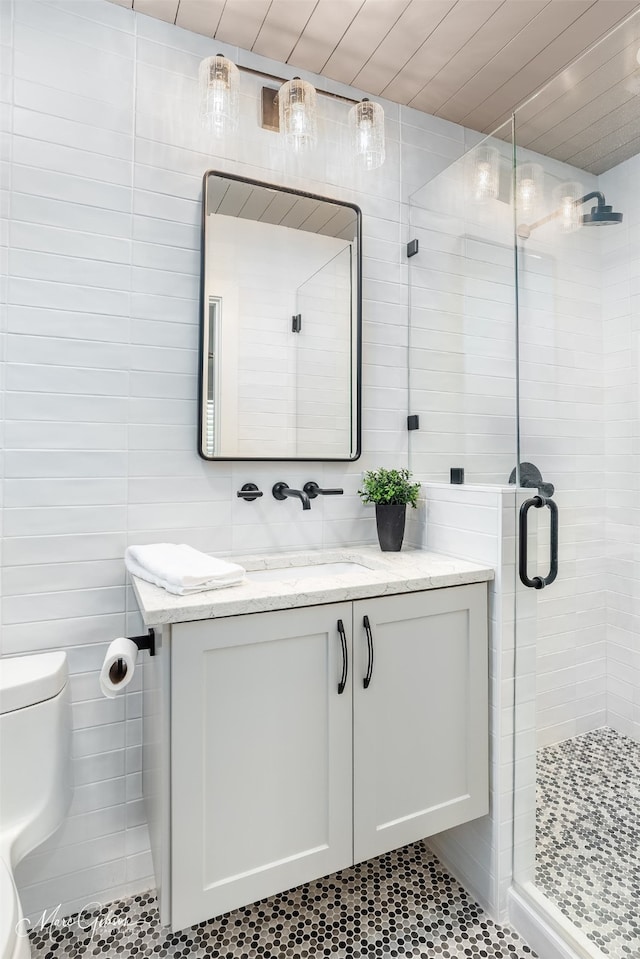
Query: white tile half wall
<point>478,523</point>
<point>103,204</point>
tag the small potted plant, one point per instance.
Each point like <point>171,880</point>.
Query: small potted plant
<point>391,491</point>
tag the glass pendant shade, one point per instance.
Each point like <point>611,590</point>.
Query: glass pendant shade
<point>219,80</point>
<point>298,114</point>
<point>366,131</point>
<point>485,174</point>
<point>529,189</point>
<point>569,211</point>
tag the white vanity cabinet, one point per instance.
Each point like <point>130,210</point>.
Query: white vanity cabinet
<point>420,729</point>
<point>261,751</point>
<point>277,778</point>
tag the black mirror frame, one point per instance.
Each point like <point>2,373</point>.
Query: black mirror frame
<point>358,327</point>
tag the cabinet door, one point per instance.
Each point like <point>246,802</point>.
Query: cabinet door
<point>261,757</point>
<point>421,727</point>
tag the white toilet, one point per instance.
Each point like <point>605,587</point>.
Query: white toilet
<point>35,773</point>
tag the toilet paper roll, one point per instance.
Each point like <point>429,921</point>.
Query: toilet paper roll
<point>118,666</point>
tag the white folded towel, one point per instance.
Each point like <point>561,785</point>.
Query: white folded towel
<point>180,569</point>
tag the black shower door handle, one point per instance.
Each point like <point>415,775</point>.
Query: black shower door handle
<point>538,582</point>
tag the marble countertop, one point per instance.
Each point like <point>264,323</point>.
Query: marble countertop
<point>408,571</point>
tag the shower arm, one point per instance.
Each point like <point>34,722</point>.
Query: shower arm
<point>526,229</point>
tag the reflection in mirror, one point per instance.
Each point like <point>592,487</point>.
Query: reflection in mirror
<point>280,350</point>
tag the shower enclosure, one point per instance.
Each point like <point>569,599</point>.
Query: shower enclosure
<point>524,371</point>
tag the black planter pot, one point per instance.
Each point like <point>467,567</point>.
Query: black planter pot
<point>390,522</point>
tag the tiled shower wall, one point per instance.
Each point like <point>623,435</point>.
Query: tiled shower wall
<point>562,433</point>
<point>463,386</point>
<point>102,190</point>
<point>621,318</point>
<point>579,322</point>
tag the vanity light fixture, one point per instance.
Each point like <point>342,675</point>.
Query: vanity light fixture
<point>297,101</point>
<point>219,95</point>
<point>290,110</point>
<point>366,129</point>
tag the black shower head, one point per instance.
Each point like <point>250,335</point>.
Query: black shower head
<point>601,214</point>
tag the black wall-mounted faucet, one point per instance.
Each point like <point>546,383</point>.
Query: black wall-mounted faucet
<point>282,490</point>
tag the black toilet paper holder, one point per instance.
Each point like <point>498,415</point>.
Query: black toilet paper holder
<point>118,670</point>
<point>146,642</point>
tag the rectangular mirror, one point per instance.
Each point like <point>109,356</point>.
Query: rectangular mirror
<point>280,353</point>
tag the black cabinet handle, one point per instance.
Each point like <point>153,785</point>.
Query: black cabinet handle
<point>367,629</point>
<point>345,658</point>
<point>538,582</point>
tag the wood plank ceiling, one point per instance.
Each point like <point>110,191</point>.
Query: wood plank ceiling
<point>469,61</point>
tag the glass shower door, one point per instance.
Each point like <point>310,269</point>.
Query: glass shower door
<point>577,717</point>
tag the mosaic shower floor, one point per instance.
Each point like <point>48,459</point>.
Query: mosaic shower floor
<point>588,836</point>
<point>399,905</point>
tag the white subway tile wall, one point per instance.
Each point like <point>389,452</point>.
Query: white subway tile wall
<point>101,189</point>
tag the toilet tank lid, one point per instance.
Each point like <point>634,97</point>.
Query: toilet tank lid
<point>27,680</point>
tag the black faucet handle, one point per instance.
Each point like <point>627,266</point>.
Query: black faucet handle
<point>312,490</point>
<point>249,492</point>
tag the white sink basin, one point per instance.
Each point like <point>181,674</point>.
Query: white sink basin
<point>320,570</point>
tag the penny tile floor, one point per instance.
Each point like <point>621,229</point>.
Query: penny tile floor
<point>399,905</point>
<point>588,836</point>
